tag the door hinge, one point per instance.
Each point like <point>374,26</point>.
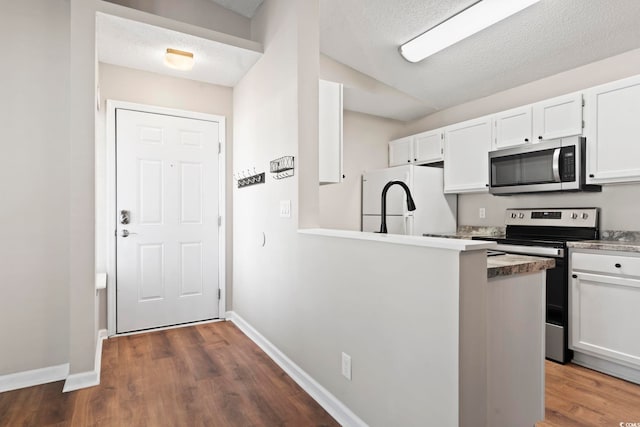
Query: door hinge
<point>219,147</point>
<point>219,221</point>
<point>583,102</point>
<point>583,124</point>
<point>219,293</point>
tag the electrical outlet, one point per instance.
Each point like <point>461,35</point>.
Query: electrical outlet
<point>346,366</point>
<point>285,208</point>
<point>482,213</point>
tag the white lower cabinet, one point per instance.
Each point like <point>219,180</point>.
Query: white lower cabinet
<point>605,309</point>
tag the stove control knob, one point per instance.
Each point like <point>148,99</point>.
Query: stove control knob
<point>513,215</point>
<point>574,215</point>
<point>521,215</point>
<point>585,215</point>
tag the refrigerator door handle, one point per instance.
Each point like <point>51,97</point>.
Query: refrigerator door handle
<point>408,223</point>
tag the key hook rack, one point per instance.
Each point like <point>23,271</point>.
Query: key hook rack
<point>282,167</point>
<point>247,178</point>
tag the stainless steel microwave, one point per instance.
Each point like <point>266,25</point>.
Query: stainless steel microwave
<point>556,165</point>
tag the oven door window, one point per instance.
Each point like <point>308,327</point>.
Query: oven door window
<point>523,169</point>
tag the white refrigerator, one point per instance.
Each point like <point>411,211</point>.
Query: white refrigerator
<point>436,212</point>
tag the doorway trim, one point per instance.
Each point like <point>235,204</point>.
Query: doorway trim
<point>111,225</point>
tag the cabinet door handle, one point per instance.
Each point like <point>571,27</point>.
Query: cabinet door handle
<point>591,175</point>
<point>526,140</point>
<point>618,265</point>
<point>540,137</point>
<point>575,276</point>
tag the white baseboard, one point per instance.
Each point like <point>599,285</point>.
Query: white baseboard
<point>607,367</point>
<point>328,401</point>
<point>89,378</point>
<point>33,377</point>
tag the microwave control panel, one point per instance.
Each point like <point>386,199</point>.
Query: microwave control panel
<point>568,164</point>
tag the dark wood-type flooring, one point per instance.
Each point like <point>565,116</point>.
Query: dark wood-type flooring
<point>206,375</point>
<point>212,375</point>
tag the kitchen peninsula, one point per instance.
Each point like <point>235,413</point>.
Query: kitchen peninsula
<point>468,350</point>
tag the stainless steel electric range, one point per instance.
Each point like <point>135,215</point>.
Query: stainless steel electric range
<point>545,232</point>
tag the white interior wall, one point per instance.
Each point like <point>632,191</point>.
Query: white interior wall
<point>34,186</point>
<point>82,293</point>
<point>612,199</point>
<point>203,13</point>
<point>126,84</point>
<point>312,296</point>
<point>365,147</point>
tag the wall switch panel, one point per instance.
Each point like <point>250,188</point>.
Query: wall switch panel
<point>285,208</point>
<point>346,366</point>
<point>482,213</point>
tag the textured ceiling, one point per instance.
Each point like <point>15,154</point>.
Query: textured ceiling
<point>243,7</point>
<point>549,37</point>
<point>142,46</point>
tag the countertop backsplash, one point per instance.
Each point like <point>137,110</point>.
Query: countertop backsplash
<point>620,235</point>
<point>480,230</point>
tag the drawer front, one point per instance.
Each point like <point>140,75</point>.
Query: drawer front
<point>610,264</point>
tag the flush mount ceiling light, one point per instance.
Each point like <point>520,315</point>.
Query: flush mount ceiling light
<point>179,59</point>
<point>475,18</point>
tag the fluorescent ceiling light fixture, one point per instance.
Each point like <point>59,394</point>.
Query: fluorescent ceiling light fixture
<point>471,20</point>
<point>179,59</point>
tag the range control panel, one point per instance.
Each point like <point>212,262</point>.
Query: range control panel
<point>554,217</point>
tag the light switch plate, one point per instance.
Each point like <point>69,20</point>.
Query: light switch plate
<point>285,208</point>
<point>346,366</point>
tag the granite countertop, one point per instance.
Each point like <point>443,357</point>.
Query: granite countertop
<point>471,231</point>
<point>510,264</point>
<point>612,240</point>
<point>606,245</point>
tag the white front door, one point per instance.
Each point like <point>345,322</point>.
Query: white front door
<point>167,226</point>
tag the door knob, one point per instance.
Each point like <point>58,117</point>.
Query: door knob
<point>126,233</point>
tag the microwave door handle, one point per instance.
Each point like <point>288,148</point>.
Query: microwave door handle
<point>556,165</point>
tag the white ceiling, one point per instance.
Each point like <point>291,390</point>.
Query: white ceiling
<point>549,37</point>
<point>142,46</point>
<point>243,7</point>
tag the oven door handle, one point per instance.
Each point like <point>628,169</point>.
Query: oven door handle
<point>531,250</point>
<point>556,165</point>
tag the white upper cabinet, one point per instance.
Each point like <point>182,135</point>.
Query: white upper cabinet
<point>427,146</point>
<point>612,116</point>
<point>549,119</point>
<point>512,127</point>
<point>329,132</point>
<point>466,156</point>
<point>557,117</point>
<point>401,151</point>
